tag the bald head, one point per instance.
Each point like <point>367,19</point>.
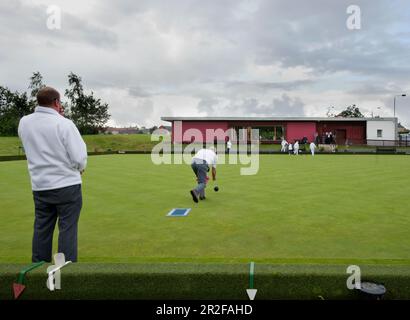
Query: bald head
<point>47,96</point>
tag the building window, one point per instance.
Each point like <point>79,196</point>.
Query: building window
<point>274,133</point>
<point>379,133</point>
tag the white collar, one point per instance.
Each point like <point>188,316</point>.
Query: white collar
<point>46,110</point>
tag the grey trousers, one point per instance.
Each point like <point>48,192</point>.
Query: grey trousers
<point>201,171</point>
<point>64,204</point>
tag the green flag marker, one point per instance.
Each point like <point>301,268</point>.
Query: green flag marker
<point>251,291</point>
<point>251,273</point>
<point>19,286</point>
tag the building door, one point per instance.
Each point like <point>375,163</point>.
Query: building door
<point>340,136</point>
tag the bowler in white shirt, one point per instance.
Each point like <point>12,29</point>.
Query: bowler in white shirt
<point>312,147</point>
<point>228,146</point>
<point>296,147</point>
<point>284,144</point>
<point>56,157</point>
<point>203,160</point>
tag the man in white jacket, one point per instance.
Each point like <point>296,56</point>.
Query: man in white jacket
<point>284,144</point>
<point>312,147</point>
<point>56,156</point>
<point>296,147</point>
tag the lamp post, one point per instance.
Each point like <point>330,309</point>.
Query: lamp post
<point>400,95</point>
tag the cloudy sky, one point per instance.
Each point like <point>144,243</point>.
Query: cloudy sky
<point>156,58</point>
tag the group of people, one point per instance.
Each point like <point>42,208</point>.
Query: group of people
<point>294,148</point>
<point>328,138</point>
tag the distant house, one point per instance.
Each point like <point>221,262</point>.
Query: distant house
<point>167,128</point>
<point>113,130</point>
<point>144,130</point>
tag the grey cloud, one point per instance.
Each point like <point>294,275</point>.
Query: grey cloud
<point>314,34</point>
<point>138,113</point>
<point>209,105</point>
<point>286,85</point>
<point>281,106</point>
<point>376,90</point>
<point>25,24</point>
<point>76,29</point>
<point>294,33</point>
<point>139,92</point>
<point>285,106</point>
<point>192,14</point>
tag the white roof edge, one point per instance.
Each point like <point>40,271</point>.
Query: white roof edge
<point>273,119</point>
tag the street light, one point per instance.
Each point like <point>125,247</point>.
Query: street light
<point>399,95</point>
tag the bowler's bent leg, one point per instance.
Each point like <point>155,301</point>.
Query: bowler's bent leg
<point>202,173</point>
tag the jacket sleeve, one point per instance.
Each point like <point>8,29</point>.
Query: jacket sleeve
<point>75,146</point>
<point>20,128</point>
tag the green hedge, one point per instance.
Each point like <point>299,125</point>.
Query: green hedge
<point>204,281</point>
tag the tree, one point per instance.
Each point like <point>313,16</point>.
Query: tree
<point>13,106</point>
<point>87,112</point>
<point>151,130</point>
<point>36,83</point>
<point>351,112</point>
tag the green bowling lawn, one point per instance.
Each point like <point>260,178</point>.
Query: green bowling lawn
<point>329,209</point>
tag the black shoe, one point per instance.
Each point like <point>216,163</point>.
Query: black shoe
<point>202,198</point>
<point>194,196</point>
